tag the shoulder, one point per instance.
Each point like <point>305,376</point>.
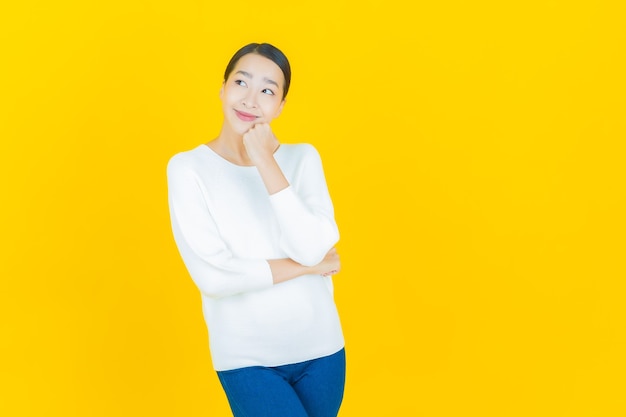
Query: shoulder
<point>186,161</point>
<point>299,148</point>
<point>299,151</point>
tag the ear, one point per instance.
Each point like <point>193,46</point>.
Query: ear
<point>222,90</point>
<point>280,108</point>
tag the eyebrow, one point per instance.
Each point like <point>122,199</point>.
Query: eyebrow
<point>248,75</point>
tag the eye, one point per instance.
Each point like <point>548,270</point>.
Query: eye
<point>268,91</point>
<point>241,83</point>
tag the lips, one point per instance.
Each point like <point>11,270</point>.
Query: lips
<point>246,117</point>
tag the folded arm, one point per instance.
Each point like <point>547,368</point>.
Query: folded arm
<point>304,209</point>
<point>212,266</point>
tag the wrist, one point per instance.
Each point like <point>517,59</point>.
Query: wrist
<point>264,161</point>
<point>272,175</point>
<point>312,270</point>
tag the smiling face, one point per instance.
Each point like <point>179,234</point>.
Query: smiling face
<point>253,93</point>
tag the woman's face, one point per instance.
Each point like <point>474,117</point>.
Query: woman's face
<point>253,93</point>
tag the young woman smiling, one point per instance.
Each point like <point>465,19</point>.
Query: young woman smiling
<point>254,224</point>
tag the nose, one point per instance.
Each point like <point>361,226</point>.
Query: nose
<point>249,100</point>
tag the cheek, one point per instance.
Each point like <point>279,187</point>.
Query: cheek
<point>231,95</point>
<point>272,109</point>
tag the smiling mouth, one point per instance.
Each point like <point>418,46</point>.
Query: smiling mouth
<point>247,117</point>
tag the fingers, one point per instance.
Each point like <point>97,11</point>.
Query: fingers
<point>331,261</point>
<point>262,134</point>
<point>260,128</point>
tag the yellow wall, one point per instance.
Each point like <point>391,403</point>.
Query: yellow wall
<point>474,151</point>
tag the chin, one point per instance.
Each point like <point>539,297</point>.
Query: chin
<point>242,130</point>
<point>239,128</point>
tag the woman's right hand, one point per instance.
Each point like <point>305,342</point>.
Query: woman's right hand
<point>330,265</point>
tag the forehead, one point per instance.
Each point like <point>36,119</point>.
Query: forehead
<point>260,67</point>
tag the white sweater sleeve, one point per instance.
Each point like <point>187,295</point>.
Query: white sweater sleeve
<point>305,213</point>
<point>209,261</point>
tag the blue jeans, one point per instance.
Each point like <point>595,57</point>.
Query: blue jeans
<point>307,389</point>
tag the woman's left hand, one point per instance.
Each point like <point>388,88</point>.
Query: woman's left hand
<point>260,143</point>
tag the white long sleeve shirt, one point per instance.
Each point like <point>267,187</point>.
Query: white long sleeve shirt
<point>227,226</point>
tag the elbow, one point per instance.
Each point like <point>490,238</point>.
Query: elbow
<point>208,283</point>
<point>210,288</point>
<point>230,279</point>
<point>312,252</point>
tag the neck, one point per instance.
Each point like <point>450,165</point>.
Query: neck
<point>229,146</point>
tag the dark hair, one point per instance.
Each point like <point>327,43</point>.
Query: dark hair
<point>268,51</point>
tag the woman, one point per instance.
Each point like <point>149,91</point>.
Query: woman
<point>254,225</point>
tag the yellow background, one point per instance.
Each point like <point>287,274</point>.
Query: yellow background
<point>474,152</point>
